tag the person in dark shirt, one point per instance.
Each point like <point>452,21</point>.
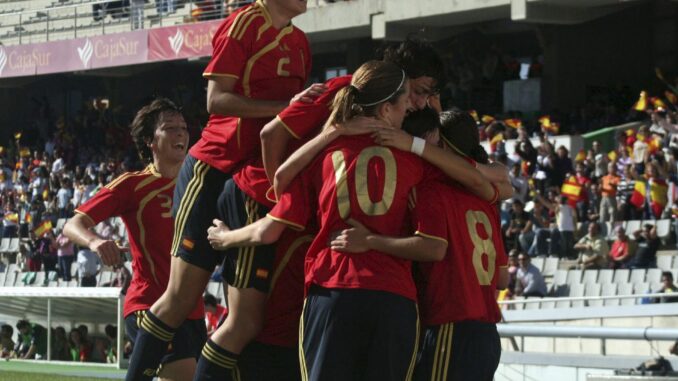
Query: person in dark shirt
<point>32,343</point>
<point>520,223</point>
<point>648,244</point>
<point>667,287</point>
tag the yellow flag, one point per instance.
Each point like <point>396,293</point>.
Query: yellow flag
<point>641,104</point>
<point>581,156</point>
<point>487,119</point>
<point>612,155</point>
<point>43,228</point>
<point>474,114</point>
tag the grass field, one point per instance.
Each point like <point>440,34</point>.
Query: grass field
<point>20,376</point>
<point>39,371</point>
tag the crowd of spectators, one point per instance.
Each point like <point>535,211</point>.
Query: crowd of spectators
<point>78,345</point>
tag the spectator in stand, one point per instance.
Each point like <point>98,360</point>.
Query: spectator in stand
<point>541,232</point>
<point>529,281</point>
<point>80,348</point>
<point>512,271</point>
<point>519,183</point>
<point>656,190</point>
<point>667,287</point>
<point>608,194</point>
<point>88,267</point>
<point>627,211</point>
<point>46,249</point>
<point>648,244</point>
<point>593,249</point>
<point>640,151</point>
<point>122,278</point>
<point>60,347</point>
<point>584,181</point>
<point>65,256</point>
<point>32,340</point>
<point>215,313</point>
<point>561,165</point>
<point>519,224</point>
<point>64,197</point>
<point>593,212</point>
<point>622,250</point>
<point>6,343</point>
<point>562,235</point>
<point>10,222</point>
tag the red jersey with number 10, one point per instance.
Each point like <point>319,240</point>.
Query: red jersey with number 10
<point>268,64</point>
<point>354,179</point>
<point>144,202</point>
<point>463,285</point>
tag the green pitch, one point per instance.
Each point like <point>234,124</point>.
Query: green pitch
<point>34,371</point>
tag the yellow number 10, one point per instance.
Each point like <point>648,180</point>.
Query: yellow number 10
<point>481,246</point>
<point>361,187</point>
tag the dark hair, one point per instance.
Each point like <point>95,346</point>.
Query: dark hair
<point>418,58</point>
<point>667,274</point>
<point>374,83</point>
<point>421,122</point>
<point>210,300</point>
<point>460,131</point>
<point>7,328</point>
<point>146,121</point>
<point>111,330</point>
<point>22,324</point>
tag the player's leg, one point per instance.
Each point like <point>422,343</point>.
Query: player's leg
<point>180,361</point>
<point>428,354</point>
<point>198,187</point>
<point>476,350</point>
<point>248,271</point>
<point>335,334</point>
<point>395,340</point>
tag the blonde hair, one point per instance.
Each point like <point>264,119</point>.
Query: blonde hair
<point>374,83</point>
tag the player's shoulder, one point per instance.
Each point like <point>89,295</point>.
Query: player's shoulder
<point>248,22</point>
<point>130,180</point>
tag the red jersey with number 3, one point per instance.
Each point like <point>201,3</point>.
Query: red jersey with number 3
<point>302,120</point>
<point>267,63</point>
<point>144,202</point>
<point>354,179</point>
<point>463,285</point>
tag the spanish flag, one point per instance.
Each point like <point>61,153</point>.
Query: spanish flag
<point>641,104</point>
<point>25,152</point>
<point>474,114</point>
<point>639,194</point>
<point>496,139</point>
<point>612,155</point>
<point>658,196</point>
<point>671,97</point>
<point>28,219</point>
<point>545,120</point>
<point>658,103</point>
<point>487,119</point>
<point>43,228</point>
<point>571,189</point>
<point>581,156</point>
<point>12,217</point>
<point>513,123</point>
<point>654,144</point>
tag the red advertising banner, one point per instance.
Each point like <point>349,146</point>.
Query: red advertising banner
<point>73,55</point>
<point>182,41</point>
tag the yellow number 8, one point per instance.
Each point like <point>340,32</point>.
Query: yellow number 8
<point>481,246</point>
<point>361,188</point>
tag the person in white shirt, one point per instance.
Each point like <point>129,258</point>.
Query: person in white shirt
<point>88,268</point>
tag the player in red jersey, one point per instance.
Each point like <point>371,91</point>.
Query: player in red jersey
<point>342,181</point>
<point>458,294</point>
<point>260,61</point>
<point>144,200</point>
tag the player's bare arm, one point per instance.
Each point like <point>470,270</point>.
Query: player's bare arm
<point>359,239</point>
<point>78,230</point>
<point>264,231</point>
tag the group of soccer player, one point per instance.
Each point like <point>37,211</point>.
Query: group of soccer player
<point>317,202</point>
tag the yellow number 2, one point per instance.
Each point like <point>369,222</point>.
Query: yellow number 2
<point>361,187</point>
<point>481,246</point>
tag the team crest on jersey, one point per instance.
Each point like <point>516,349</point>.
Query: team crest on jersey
<point>262,273</point>
<point>187,243</point>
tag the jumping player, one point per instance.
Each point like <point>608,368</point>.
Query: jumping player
<point>259,62</point>
<point>144,200</point>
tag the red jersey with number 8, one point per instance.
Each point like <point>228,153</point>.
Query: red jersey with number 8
<point>354,179</point>
<point>463,285</point>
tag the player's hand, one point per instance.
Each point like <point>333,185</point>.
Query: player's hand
<point>310,94</point>
<point>216,235</point>
<point>353,240</point>
<point>107,250</point>
<point>393,138</point>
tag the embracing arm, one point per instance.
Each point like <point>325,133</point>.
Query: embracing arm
<point>497,174</point>
<point>222,100</point>
<point>359,239</point>
<point>274,138</point>
<point>264,231</point>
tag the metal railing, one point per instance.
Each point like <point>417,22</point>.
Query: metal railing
<point>58,21</point>
<point>587,298</point>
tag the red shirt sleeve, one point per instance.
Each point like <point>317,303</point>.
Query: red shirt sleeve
<point>427,218</point>
<point>300,118</point>
<point>230,51</point>
<point>108,202</point>
<point>293,207</point>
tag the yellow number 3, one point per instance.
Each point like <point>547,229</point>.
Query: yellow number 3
<point>481,246</point>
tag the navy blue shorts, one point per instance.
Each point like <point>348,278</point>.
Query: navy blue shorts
<point>245,267</point>
<point>196,203</point>
<point>264,362</point>
<point>188,339</point>
<point>468,350</point>
<point>355,334</point>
